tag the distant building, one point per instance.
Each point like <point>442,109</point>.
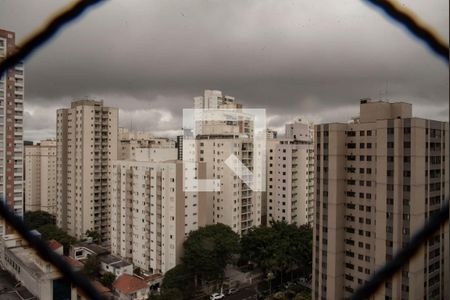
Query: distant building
<point>86,139</point>
<point>11,130</point>
<point>143,146</point>
<point>40,177</point>
<point>179,146</point>
<point>39,277</point>
<point>108,263</point>
<point>378,180</point>
<point>236,204</point>
<point>151,214</point>
<point>290,175</point>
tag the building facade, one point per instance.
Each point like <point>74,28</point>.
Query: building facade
<point>38,276</point>
<point>235,204</point>
<point>86,145</point>
<point>379,178</point>
<point>40,177</point>
<point>151,214</point>
<point>11,130</point>
<point>290,176</point>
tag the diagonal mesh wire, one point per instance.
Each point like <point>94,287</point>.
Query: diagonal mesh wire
<point>24,51</point>
<point>41,37</point>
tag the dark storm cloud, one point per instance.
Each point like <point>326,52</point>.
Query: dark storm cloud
<point>296,58</point>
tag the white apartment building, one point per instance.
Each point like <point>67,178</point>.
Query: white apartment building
<point>86,139</point>
<point>11,130</point>
<point>378,180</point>
<point>236,204</point>
<point>290,175</point>
<point>151,214</point>
<point>40,177</point>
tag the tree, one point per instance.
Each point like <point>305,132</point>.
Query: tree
<point>45,224</point>
<point>208,250</point>
<point>259,246</point>
<point>107,279</point>
<point>279,248</point>
<point>303,295</point>
<point>96,236</point>
<point>36,219</point>
<point>52,232</point>
<point>91,267</point>
<point>178,277</point>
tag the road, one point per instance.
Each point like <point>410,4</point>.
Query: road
<point>247,293</point>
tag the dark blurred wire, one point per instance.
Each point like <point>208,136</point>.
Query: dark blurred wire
<point>414,26</point>
<point>404,255</point>
<point>47,253</point>
<point>46,33</point>
<point>22,52</point>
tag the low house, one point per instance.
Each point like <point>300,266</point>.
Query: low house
<point>38,276</point>
<point>82,251</point>
<point>108,262</point>
<point>129,287</point>
<point>115,265</point>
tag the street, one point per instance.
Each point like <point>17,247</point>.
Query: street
<point>246,293</point>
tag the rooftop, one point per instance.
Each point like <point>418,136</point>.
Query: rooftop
<point>127,284</point>
<point>113,260</point>
<point>92,247</point>
<point>54,245</point>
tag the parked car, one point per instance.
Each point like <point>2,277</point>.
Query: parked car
<point>217,296</point>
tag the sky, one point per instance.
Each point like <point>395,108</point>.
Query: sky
<point>297,59</point>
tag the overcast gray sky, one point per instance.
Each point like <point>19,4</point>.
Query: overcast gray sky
<point>310,59</point>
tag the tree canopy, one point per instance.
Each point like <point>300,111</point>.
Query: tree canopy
<point>208,250</point>
<point>107,279</point>
<point>36,219</point>
<point>279,247</point>
<point>45,224</point>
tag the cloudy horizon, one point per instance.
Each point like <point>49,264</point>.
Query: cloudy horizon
<point>297,59</point>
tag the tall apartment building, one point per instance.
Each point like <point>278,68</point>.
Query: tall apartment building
<point>150,213</point>
<point>11,130</point>
<point>236,204</point>
<point>86,145</point>
<point>40,177</point>
<point>290,175</point>
<point>379,178</point>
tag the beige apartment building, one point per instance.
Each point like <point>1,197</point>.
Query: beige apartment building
<point>86,145</point>
<point>379,178</point>
<point>11,130</point>
<point>40,177</point>
<point>290,175</point>
<point>132,144</point>
<point>150,213</point>
<point>236,204</point>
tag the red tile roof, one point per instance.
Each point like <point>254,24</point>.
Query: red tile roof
<point>54,245</point>
<point>127,284</point>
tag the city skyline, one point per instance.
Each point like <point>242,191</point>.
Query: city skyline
<point>255,55</point>
<point>224,150</point>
